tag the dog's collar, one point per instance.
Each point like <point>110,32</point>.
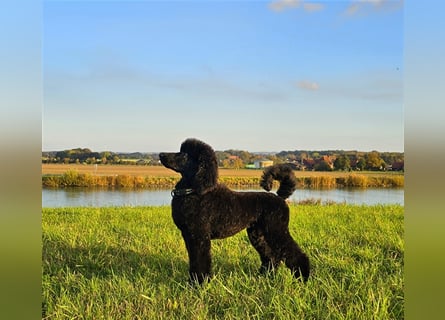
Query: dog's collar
<point>182,192</point>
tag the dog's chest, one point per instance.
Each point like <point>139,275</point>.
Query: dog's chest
<point>184,210</point>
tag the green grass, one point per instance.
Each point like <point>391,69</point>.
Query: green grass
<point>131,263</point>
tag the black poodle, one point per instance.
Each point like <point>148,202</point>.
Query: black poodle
<point>204,210</point>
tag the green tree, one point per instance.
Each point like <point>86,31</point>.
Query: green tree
<point>342,163</point>
<point>361,164</point>
<point>322,166</point>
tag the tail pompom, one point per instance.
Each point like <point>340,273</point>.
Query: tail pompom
<point>282,173</point>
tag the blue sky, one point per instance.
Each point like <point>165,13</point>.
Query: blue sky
<point>252,75</point>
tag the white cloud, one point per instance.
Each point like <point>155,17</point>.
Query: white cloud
<point>281,5</point>
<point>312,7</point>
<point>308,85</point>
<point>384,86</point>
<point>368,6</point>
<point>356,7</point>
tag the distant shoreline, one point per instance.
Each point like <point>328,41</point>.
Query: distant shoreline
<point>146,177</point>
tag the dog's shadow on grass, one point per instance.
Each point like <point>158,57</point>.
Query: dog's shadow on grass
<point>101,261</point>
<point>110,261</point>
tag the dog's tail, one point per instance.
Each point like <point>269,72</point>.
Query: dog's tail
<point>282,173</point>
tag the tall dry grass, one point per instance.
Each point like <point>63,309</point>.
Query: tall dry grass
<point>72,178</point>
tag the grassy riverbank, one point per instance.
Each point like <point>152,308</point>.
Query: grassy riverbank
<point>159,177</point>
<point>131,263</point>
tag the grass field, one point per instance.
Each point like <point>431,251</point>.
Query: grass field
<point>131,263</point>
<point>108,170</point>
<point>60,175</point>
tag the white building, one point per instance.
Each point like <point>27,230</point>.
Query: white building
<point>262,163</point>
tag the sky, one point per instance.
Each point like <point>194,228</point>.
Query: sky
<point>143,76</point>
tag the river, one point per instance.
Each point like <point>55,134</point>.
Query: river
<point>54,198</point>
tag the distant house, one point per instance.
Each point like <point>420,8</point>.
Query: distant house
<point>258,164</point>
<point>398,166</point>
<point>312,164</point>
<point>308,164</point>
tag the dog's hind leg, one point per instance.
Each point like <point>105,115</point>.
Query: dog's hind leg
<point>199,257</point>
<point>296,260</point>
<point>256,237</point>
<point>285,247</point>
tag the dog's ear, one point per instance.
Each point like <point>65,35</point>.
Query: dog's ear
<point>207,175</point>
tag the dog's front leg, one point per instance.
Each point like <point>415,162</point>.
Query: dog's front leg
<point>199,257</point>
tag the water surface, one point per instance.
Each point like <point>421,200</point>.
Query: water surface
<point>77,197</point>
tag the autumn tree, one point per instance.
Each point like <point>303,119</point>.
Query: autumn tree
<point>373,161</point>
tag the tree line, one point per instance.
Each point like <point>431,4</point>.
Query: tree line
<point>328,160</point>
<point>86,156</point>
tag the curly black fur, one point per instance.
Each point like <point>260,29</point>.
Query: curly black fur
<point>204,210</point>
<point>283,173</point>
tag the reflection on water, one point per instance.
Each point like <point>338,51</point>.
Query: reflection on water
<point>352,196</point>
<point>52,198</point>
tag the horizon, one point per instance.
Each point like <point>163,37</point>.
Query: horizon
<point>282,75</point>
<point>217,150</point>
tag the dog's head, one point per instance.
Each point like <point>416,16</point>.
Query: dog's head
<point>197,164</point>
